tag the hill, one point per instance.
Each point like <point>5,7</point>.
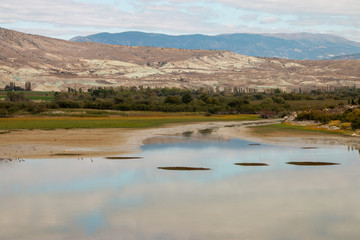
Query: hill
<point>301,46</point>
<point>53,64</point>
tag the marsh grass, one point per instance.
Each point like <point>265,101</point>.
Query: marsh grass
<point>184,168</point>
<point>48,123</point>
<point>286,128</point>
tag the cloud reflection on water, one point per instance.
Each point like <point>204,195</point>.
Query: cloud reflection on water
<point>71,199</point>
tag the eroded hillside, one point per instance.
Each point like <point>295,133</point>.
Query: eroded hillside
<point>52,64</point>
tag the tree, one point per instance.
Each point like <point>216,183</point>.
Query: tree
<point>28,86</point>
<point>186,98</point>
<point>15,97</point>
<point>172,100</point>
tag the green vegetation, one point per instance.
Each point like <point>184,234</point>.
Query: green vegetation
<point>35,96</point>
<point>349,115</point>
<point>227,101</point>
<point>112,122</point>
<point>170,105</point>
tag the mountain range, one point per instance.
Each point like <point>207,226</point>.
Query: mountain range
<point>54,65</point>
<point>300,46</point>
<point>347,57</point>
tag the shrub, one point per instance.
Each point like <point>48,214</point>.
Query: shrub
<point>15,97</point>
<point>172,100</point>
<point>4,113</point>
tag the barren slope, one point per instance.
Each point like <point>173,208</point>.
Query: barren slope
<point>52,64</point>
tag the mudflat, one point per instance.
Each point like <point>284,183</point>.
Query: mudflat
<point>79,143</point>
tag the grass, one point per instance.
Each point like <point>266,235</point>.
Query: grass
<point>147,121</point>
<point>80,112</point>
<point>283,127</point>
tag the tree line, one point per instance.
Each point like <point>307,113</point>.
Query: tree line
<point>272,103</point>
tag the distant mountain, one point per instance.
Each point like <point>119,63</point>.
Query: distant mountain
<point>300,46</point>
<point>347,57</point>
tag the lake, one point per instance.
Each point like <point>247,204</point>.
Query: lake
<point>265,197</point>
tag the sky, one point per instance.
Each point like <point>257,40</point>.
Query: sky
<point>69,18</point>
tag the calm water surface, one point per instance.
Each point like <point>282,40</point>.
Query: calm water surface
<point>133,199</point>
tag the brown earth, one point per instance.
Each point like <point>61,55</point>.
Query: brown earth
<point>53,64</point>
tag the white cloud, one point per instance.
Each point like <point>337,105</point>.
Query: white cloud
<point>182,16</point>
<point>331,7</point>
<point>269,20</point>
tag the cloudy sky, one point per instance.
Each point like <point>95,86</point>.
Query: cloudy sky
<point>68,18</point>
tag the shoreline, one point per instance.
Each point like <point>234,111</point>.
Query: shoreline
<point>100,142</point>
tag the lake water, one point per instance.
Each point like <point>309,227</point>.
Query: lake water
<point>133,199</point>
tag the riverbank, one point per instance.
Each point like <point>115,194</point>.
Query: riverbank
<point>104,142</point>
<point>80,143</point>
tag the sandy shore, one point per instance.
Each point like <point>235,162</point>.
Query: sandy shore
<point>77,143</point>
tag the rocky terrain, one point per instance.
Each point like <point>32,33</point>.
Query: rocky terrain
<point>53,65</point>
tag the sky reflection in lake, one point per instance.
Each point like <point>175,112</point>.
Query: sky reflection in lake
<point>133,199</point>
